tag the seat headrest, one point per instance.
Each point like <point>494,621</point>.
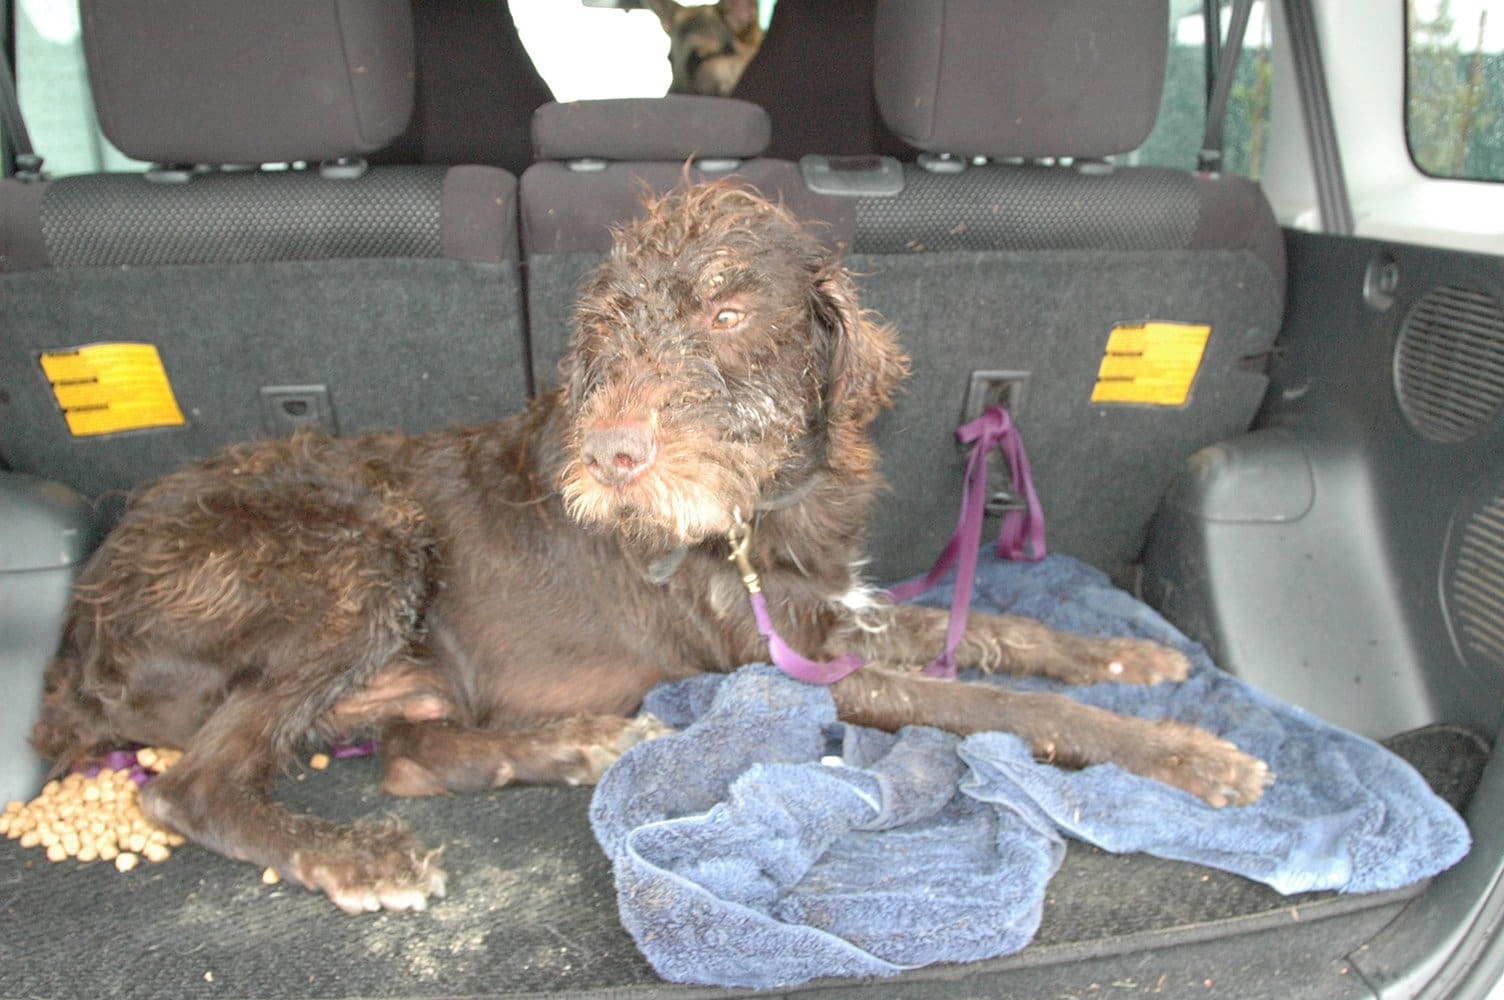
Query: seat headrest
<point>227,81</point>
<point>676,127</point>
<point>1021,78</point>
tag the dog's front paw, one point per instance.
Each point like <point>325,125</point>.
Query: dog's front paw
<point>1138,661</point>
<point>372,868</point>
<point>599,756</point>
<point>1207,766</point>
<point>1085,660</point>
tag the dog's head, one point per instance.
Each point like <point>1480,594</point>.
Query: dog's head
<point>708,46</point>
<point>719,360</point>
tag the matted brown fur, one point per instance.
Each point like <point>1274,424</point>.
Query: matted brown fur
<point>494,602</point>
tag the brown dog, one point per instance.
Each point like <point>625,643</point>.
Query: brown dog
<point>708,46</point>
<point>495,602</point>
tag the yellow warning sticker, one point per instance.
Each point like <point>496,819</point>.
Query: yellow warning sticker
<point>105,388</point>
<point>1152,363</point>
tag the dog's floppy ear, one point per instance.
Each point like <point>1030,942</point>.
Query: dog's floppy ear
<point>866,364</point>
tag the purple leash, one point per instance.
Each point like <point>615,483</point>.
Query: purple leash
<point>1021,537</point>
<point>784,656</point>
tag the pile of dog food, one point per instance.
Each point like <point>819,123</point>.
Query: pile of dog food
<point>95,814</point>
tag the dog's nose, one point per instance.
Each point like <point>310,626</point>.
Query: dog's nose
<point>618,452</point>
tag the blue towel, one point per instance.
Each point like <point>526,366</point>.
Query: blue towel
<point>766,844</point>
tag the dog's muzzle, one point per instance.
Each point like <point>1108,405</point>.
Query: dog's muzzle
<point>617,452</point>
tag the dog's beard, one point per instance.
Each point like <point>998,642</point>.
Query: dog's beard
<point>682,500</point>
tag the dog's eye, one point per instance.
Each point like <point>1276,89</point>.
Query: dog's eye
<point>726,319</point>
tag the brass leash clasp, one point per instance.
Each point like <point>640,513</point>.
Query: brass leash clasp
<point>740,537</point>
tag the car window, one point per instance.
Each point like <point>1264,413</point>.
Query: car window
<point>52,86</point>
<point>1176,138</point>
<point>595,49</point>
<point>1454,75</point>
<point>585,53</point>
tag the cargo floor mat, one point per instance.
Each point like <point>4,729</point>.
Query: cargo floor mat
<point>531,908</point>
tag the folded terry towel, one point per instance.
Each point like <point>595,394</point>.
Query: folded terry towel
<point>766,844</point>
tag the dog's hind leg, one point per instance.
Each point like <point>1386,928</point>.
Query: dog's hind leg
<point>430,758</point>
<point>216,796</point>
<point>290,669</point>
<point>1057,730</point>
<point>430,746</point>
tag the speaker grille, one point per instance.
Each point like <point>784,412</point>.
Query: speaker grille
<point>1449,363</point>
<point>1477,591</point>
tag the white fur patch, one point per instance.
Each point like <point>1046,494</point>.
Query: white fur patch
<point>869,611</point>
<point>725,595</point>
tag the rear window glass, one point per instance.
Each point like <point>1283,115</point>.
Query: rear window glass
<point>52,86</point>
<point>1177,134</point>
<point>1455,87</point>
<point>586,53</point>
<point>597,49</point>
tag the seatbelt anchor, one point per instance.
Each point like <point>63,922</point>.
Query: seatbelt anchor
<point>29,168</point>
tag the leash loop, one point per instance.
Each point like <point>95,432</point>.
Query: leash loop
<point>1021,535</point>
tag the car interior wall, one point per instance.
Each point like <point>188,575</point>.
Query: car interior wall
<point>1028,269</point>
<point>1341,557</point>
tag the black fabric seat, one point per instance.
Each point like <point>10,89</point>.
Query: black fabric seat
<point>392,290</point>
<point>813,75</point>
<point>475,91</point>
<point>1013,246</point>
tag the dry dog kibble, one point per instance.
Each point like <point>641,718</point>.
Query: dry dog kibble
<point>158,759</point>
<point>96,817</point>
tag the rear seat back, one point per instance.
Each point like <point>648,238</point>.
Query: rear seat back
<point>595,161</point>
<point>813,74</point>
<point>475,91</point>
<point>1028,267</point>
<point>361,297</point>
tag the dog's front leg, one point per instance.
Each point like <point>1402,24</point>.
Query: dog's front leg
<point>910,634</point>
<point>216,796</point>
<point>1057,730</point>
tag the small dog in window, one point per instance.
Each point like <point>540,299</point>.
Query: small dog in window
<point>708,46</point>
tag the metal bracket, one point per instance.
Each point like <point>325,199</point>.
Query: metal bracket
<point>993,388</point>
<point>289,408</point>
<point>986,389</point>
